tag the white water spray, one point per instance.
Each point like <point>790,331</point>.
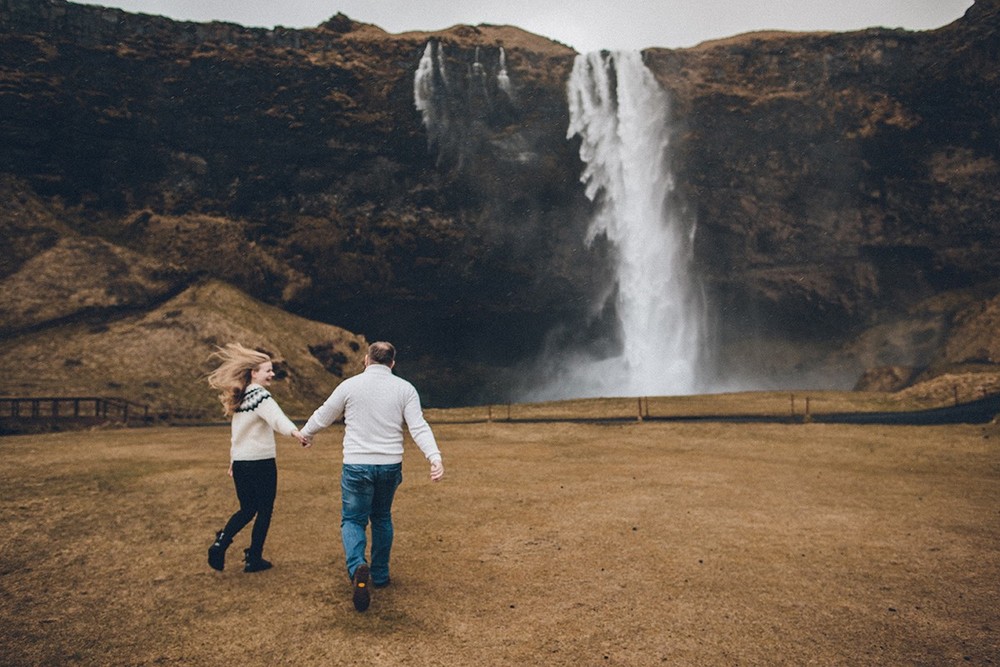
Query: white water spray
<point>503,79</point>
<point>430,75</point>
<point>478,69</point>
<point>621,116</point>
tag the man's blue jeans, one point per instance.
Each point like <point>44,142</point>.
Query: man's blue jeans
<point>366,493</point>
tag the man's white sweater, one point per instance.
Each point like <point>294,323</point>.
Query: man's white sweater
<point>375,405</point>
<point>254,424</point>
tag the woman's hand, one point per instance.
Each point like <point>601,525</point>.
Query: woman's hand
<point>303,440</point>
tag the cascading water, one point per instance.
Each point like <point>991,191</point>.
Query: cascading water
<point>621,116</point>
<point>428,79</point>
<point>503,79</point>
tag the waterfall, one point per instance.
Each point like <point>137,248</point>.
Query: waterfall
<point>503,79</point>
<point>430,76</point>
<point>477,76</point>
<point>621,116</point>
<point>462,108</point>
<point>478,69</point>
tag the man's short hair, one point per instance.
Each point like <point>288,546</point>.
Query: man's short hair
<point>382,353</point>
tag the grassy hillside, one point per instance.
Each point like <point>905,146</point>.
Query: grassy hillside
<point>160,357</point>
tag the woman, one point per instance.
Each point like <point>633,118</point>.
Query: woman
<point>242,378</point>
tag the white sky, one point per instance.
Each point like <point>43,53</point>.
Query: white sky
<point>586,25</point>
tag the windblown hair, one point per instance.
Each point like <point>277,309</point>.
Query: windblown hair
<point>233,374</point>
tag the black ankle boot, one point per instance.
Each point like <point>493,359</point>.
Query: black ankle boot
<point>254,563</point>
<point>217,552</point>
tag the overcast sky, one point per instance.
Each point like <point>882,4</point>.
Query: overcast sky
<point>586,25</point>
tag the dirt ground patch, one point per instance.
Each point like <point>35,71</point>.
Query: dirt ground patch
<point>546,544</point>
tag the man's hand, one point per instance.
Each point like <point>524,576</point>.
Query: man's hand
<point>303,440</point>
<point>437,470</point>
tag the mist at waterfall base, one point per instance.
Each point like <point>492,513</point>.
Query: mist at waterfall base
<point>621,116</point>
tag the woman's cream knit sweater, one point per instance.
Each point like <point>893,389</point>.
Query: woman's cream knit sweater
<point>254,424</point>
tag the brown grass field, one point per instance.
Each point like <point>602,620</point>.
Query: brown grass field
<point>546,544</point>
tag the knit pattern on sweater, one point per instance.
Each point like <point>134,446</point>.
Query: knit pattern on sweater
<point>253,398</point>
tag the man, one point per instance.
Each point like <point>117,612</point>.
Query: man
<point>375,405</point>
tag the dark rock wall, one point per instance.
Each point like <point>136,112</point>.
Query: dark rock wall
<point>837,179</point>
<point>840,179</point>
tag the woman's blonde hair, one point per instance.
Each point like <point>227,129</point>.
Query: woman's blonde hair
<point>233,374</point>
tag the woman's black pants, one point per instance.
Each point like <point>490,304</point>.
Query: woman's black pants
<point>256,487</point>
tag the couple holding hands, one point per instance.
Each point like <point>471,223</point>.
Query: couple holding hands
<point>375,405</point>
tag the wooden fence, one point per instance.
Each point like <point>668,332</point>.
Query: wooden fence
<point>53,412</point>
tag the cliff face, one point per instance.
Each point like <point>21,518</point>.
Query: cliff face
<point>839,182</point>
<point>842,179</point>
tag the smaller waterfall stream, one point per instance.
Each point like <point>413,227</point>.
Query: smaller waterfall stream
<point>503,79</point>
<point>430,77</point>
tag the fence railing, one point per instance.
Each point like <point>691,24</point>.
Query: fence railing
<point>63,409</point>
<point>753,407</point>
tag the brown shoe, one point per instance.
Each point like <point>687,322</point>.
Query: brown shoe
<point>361,581</point>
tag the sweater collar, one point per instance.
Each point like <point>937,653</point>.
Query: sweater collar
<point>378,368</point>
